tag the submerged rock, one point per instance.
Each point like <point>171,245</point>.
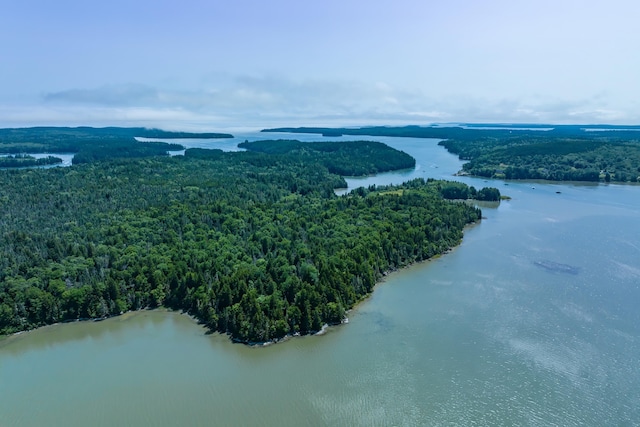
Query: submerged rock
<point>557,267</point>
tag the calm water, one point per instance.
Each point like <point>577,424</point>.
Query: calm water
<point>480,336</point>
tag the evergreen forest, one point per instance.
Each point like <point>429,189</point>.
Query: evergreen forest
<point>24,160</point>
<point>596,153</point>
<point>88,144</point>
<point>253,244</point>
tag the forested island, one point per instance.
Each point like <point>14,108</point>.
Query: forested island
<point>93,144</point>
<point>551,152</point>
<point>337,157</point>
<point>254,244</point>
<point>24,160</point>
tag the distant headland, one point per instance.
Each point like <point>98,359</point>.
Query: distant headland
<point>594,153</point>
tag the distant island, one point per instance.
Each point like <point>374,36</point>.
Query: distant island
<point>337,157</point>
<point>594,153</point>
<point>254,244</point>
<point>93,144</point>
<point>23,160</point>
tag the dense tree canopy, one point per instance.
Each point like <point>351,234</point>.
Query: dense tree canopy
<point>552,152</point>
<point>93,144</point>
<point>23,160</point>
<point>372,157</point>
<point>458,191</point>
<point>254,245</point>
<point>558,159</point>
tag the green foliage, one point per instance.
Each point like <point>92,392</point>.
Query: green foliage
<point>451,190</point>
<point>98,150</point>
<point>92,144</point>
<point>552,152</point>
<point>455,190</point>
<point>353,158</point>
<point>254,245</point>
<point>488,194</point>
<point>558,159</point>
<point>21,161</point>
<point>204,154</point>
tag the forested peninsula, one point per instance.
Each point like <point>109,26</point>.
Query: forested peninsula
<point>24,160</point>
<point>92,144</point>
<point>552,152</point>
<point>337,157</point>
<point>254,244</point>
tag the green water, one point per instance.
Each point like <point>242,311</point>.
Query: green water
<point>480,336</point>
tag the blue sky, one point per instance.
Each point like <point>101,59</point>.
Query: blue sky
<point>251,64</point>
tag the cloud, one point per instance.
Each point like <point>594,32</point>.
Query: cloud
<point>272,99</point>
<point>250,96</point>
<point>112,95</point>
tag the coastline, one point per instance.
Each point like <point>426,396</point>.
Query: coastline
<point>326,328</point>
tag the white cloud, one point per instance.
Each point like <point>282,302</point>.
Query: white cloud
<point>116,95</point>
<point>403,60</point>
<point>266,100</point>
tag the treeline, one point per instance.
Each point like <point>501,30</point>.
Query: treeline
<point>474,131</point>
<point>560,159</point>
<point>103,149</point>
<point>403,131</point>
<point>254,245</point>
<point>163,134</point>
<point>551,152</point>
<point>370,157</point>
<point>72,140</point>
<point>93,144</point>
<point>458,191</point>
<point>22,160</point>
<point>449,190</point>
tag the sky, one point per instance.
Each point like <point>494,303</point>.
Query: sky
<point>244,64</point>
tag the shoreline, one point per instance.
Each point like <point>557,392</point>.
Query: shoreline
<point>546,181</point>
<point>326,328</point>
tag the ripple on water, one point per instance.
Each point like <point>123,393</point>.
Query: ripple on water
<point>385,394</point>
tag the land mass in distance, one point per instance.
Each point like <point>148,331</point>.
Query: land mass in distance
<point>593,153</point>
